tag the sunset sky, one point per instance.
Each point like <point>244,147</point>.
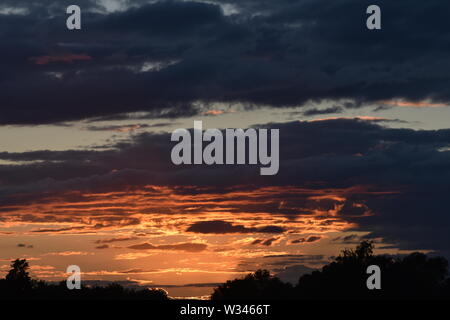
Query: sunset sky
<point>86,116</point>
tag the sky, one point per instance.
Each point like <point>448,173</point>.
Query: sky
<point>86,118</point>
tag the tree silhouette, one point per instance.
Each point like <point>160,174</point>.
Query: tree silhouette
<point>19,285</point>
<point>413,276</point>
<point>362,253</point>
<point>19,271</point>
<point>410,277</point>
<point>403,277</point>
<point>258,285</point>
<point>18,278</point>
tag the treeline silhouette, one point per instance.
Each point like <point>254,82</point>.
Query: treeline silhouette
<point>414,276</point>
<point>19,285</point>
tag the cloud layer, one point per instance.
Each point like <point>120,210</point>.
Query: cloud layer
<point>390,182</point>
<point>166,57</point>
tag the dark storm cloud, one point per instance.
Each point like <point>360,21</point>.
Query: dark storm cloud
<point>346,151</point>
<point>23,245</point>
<point>306,240</point>
<point>169,54</point>
<point>188,247</point>
<point>166,19</point>
<point>352,238</point>
<point>305,147</point>
<point>118,239</point>
<point>265,242</point>
<point>52,230</point>
<point>102,246</point>
<point>224,227</point>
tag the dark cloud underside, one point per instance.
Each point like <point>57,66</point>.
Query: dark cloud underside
<point>170,54</point>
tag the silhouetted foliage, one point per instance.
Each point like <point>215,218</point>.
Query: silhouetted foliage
<point>19,271</point>
<point>410,277</point>
<point>18,280</point>
<point>258,285</point>
<point>414,276</point>
<point>18,285</point>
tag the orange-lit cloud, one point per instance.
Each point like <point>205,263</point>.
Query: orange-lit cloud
<point>195,234</point>
<point>68,253</point>
<point>196,211</point>
<point>216,112</point>
<point>413,104</point>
